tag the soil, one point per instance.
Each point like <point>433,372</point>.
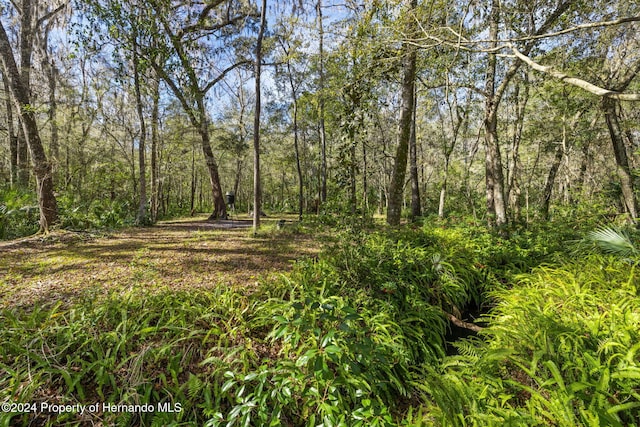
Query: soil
<point>175,255</point>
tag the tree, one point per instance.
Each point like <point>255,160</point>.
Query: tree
<point>20,86</point>
<point>396,189</point>
<point>257,190</point>
<point>187,45</point>
<point>620,67</point>
<point>294,88</point>
<point>321,105</point>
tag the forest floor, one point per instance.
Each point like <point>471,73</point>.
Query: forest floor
<point>186,254</point>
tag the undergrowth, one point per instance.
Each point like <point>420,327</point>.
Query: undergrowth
<point>355,337</point>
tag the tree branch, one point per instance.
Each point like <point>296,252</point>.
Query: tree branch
<point>462,324</point>
<point>582,84</point>
<point>223,74</point>
<point>50,14</point>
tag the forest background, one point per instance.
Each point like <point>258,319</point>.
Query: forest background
<point>144,113</point>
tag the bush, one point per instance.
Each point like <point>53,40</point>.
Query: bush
<point>19,214</point>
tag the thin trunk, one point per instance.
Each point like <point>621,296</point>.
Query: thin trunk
<point>155,124</point>
<point>550,182</point>
<point>416,208</point>
<point>584,166</point>
<point>13,137</point>
<point>20,90</point>
<point>496,207</point>
<point>513,187</point>
<point>365,184</point>
<point>296,139</point>
<point>142,203</point>
<point>323,139</point>
<point>443,188</point>
<point>193,182</point>
<point>353,197</point>
<point>610,110</point>
<point>396,190</point>
<point>54,144</point>
<point>257,190</point>
<point>22,158</point>
<point>238,177</point>
<point>296,146</point>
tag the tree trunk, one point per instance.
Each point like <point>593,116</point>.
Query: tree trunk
<point>513,188</point>
<point>610,110</point>
<point>353,197</point>
<point>20,88</point>
<point>219,205</point>
<point>396,189</point>
<point>142,203</point>
<point>550,182</point>
<point>155,123</point>
<point>192,199</point>
<point>323,140</point>
<point>296,139</point>
<point>54,144</point>
<point>257,187</point>
<point>365,182</point>
<point>496,207</point>
<point>13,137</point>
<point>416,208</point>
<point>443,187</point>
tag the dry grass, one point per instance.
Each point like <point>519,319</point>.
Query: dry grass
<point>173,255</point>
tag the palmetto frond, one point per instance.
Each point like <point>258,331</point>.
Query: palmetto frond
<point>613,241</point>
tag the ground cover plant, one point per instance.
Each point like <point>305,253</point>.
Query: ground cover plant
<point>218,327</point>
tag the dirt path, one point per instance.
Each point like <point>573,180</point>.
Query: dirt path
<point>174,255</point>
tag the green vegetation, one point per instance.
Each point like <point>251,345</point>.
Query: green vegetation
<point>355,336</point>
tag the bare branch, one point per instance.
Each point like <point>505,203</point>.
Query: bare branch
<point>52,13</point>
<point>430,40</point>
<point>223,74</point>
<point>583,84</point>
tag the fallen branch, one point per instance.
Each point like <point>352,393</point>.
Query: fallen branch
<point>462,324</point>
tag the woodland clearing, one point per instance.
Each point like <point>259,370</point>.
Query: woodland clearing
<point>191,253</point>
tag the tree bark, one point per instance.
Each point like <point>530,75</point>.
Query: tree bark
<point>20,87</point>
<point>396,189</point>
<point>51,72</point>
<point>496,207</point>
<point>257,188</point>
<point>323,137</point>
<point>416,205</point>
<point>155,124</point>
<point>296,137</point>
<point>219,205</point>
<point>513,187</point>
<point>142,203</point>
<point>13,137</point>
<point>610,110</point>
<point>550,182</point>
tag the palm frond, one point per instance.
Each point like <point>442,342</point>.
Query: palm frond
<point>613,241</point>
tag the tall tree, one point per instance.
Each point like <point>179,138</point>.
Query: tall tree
<point>294,88</point>
<point>13,137</point>
<point>321,106</point>
<point>187,44</point>
<point>141,216</point>
<point>20,86</point>
<point>396,190</point>
<point>257,190</point>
